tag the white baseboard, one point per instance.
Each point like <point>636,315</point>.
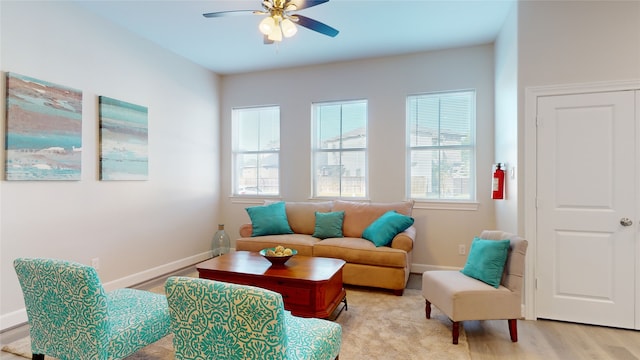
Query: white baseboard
<point>13,319</point>
<point>150,274</point>
<point>420,268</point>
<point>19,317</point>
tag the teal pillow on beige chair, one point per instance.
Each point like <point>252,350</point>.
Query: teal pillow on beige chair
<point>218,320</point>
<point>71,317</point>
<point>461,297</point>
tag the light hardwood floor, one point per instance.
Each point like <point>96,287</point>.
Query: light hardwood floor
<point>550,340</point>
<point>537,340</point>
<point>546,339</point>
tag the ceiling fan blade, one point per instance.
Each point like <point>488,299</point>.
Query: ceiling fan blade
<point>303,4</point>
<point>230,13</point>
<point>316,26</point>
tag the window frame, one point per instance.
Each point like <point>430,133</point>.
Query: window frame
<point>236,153</point>
<point>316,149</point>
<point>445,202</point>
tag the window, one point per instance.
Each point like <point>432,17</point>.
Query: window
<point>340,149</point>
<point>256,151</point>
<point>441,146</point>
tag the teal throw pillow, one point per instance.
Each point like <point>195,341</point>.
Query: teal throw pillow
<point>486,260</point>
<point>269,219</point>
<point>328,224</point>
<point>382,231</point>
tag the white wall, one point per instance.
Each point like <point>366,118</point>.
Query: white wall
<point>548,43</point>
<point>385,83</point>
<point>138,229</point>
<point>567,42</point>
<point>560,43</point>
<point>570,42</point>
<point>506,121</point>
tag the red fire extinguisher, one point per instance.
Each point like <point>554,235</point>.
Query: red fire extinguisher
<point>498,183</point>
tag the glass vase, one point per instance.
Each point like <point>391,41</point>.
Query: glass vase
<point>221,243</point>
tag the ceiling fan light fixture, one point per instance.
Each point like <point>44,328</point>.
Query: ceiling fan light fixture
<point>288,28</point>
<point>279,21</point>
<point>276,34</point>
<point>267,25</point>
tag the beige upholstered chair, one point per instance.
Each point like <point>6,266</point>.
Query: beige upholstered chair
<point>463,298</point>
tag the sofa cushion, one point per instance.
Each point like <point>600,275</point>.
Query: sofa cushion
<point>328,225</point>
<point>360,251</point>
<point>301,215</point>
<point>269,219</point>
<point>486,260</point>
<point>390,224</point>
<point>357,215</point>
<point>301,242</point>
<point>477,300</point>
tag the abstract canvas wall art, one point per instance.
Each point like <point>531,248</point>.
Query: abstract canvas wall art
<point>123,140</point>
<point>44,130</point>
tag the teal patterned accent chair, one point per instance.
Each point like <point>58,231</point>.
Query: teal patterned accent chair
<point>71,317</point>
<point>218,320</point>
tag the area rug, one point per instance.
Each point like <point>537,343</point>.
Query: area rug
<point>376,325</point>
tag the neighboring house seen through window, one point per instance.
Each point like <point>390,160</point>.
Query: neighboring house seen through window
<point>256,151</point>
<point>340,149</point>
<point>441,146</point>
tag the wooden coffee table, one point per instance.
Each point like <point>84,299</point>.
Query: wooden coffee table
<point>310,286</point>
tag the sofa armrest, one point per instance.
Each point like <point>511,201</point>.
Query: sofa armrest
<point>405,239</point>
<point>246,230</point>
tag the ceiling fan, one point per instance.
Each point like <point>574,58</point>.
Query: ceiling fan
<point>280,20</point>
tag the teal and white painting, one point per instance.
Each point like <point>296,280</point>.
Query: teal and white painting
<point>123,140</point>
<point>44,130</point>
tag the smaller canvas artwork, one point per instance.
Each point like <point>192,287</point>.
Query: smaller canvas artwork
<point>123,140</point>
<point>44,130</point>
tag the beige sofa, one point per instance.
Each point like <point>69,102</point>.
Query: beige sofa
<point>367,265</point>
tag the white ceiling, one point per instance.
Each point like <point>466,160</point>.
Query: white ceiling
<point>368,28</point>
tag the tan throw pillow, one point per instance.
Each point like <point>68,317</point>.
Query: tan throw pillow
<point>302,215</point>
<point>359,215</point>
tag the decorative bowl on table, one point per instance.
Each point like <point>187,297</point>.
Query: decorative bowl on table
<point>278,255</point>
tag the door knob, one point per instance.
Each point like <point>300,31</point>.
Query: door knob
<point>626,222</point>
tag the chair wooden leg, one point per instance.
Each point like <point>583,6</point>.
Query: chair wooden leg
<point>427,309</point>
<point>455,327</point>
<point>455,331</point>
<point>37,357</point>
<point>513,329</point>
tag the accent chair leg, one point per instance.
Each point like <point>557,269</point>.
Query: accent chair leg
<point>427,309</point>
<point>513,329</point>
<point>37,357</point>
<point>455,331</point>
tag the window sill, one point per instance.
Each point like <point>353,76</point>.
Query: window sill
<point>328,198</point>
<point>235,199</point>
<point>446,205</point>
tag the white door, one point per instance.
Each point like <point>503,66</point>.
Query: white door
<point>586,191</point>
